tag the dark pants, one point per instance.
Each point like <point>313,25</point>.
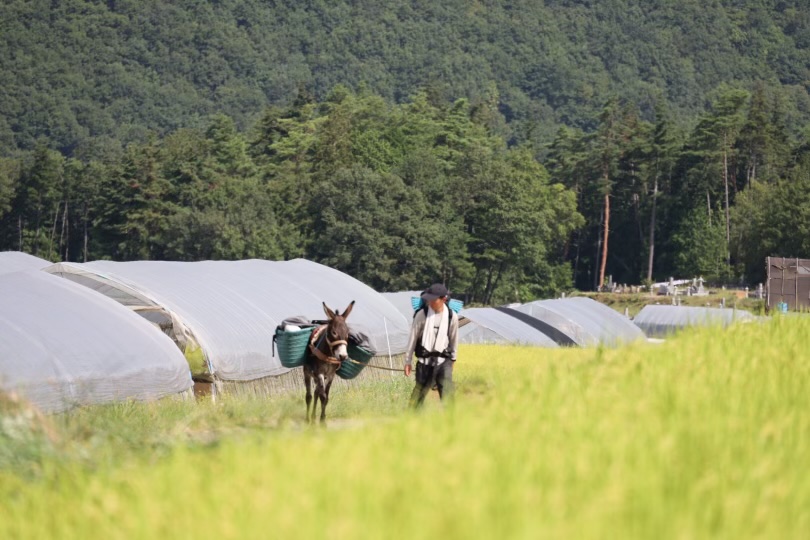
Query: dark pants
<point>427,376</point>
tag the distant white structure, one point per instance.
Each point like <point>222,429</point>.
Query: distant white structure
<point>582,322</point>
<point>674,287</point>
<point>494,325</point>
<point>660,321</point>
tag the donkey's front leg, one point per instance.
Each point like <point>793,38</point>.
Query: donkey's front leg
<point>325,399</point>
<point>308,386</point>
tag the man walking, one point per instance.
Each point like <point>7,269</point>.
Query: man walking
<point>434,340</point>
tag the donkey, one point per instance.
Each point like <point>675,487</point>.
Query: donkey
<point>326,351</point>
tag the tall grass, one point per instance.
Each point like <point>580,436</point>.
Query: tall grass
<point>705,436</point>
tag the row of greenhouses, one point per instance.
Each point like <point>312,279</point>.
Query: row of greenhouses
<point>74,334</point>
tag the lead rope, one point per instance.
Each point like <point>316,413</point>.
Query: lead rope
<point>371,365</point>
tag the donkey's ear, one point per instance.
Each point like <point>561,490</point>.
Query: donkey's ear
<point>348,310</point>
<point>329,313</point>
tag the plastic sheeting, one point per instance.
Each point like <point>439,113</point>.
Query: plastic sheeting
<point>62,345</point>
<point>402,301</point>
<point>475,334</point>
<point>499,327</point>
<point>584,321</point>
<point>14,261</point>
<point>233,307</point>
<point>663,321</point>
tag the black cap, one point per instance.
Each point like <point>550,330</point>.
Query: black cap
<point>435,291</point>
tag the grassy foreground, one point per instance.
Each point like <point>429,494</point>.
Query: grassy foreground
<point>705,436</point>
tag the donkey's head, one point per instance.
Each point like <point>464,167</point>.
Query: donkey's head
<point>337,331</point>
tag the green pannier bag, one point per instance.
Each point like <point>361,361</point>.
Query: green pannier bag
<point>292,343</point>
<point>360,351</point>
<point>350,370</point>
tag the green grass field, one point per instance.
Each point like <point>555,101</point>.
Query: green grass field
<point>705,436</point>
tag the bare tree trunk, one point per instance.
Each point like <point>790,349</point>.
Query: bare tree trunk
<point>751,171</point>
<point>594,268</point>
<point>728,227</point>
<point>20,231</point>
<point>475,284</point>
<point>637,214</point>
<point>37,222</point>
<point>64,235</point>
<point>496,281</point>
<point>53,229</point>
<point>603,263</point>
<point>576,255</point>
<point>652,231</point>
<point>709,206</point>
<point>85,234</point>
<point>487,294</point>
<point>571,239</point>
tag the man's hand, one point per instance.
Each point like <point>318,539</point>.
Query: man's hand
<point>407,370</point>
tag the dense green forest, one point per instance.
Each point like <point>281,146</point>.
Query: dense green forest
<point>88,73</point>
<point>512,149</point>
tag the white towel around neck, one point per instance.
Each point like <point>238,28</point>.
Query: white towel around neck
<point>431,340</point>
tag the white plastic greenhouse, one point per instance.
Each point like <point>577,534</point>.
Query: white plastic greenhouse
<point>661,321</point>
<point>402,301</point>
<point>14,261</point>
<point>583,321</point>
<point>62,345</point>
<point>223,314</point>
<point>473,333</point>
<point>492,325</point>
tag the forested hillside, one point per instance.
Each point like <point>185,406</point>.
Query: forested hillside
<point>76,70</point>
<point>512,148</point>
